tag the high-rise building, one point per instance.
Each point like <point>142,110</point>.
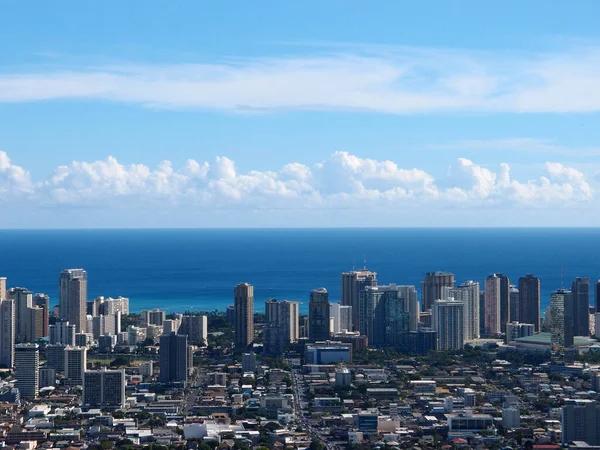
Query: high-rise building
<point>529,301</point>
<point>3,288</point>
<point>447,320</point>
<point>561,317</point>
<point>431,287</point>
<point>62,333</point>
<point>581,422</point>
<point>75,364</point>
<point>47,377</point>
<point>352,283</point>
<point>581,306</point>
<point>171,326</point>
<point>230,314</point>
<point>104,389</point>
<point>422,341</point>
<point>597,296</point>
<point>7,332</point>
<point>43,301</point>
<point>515,312</point>
<point>342,317</point>
<point>318,315</point>
<point>409,294</point>
<point>248,362</point>
<point>468,294</point>
<point>23,299</point>
<point>102,325</point>
<point>282,325</point>
<point>174,358</point>
<point>55,357</point>
<point>244,315</point>
<point>385,316</point>
<point>497,303</point>
<point>153,317</point>
<point>33,324</point>
<point>110,306</point>
<point>27,364</point>
<point>196,329</point>
<point>73,297</point>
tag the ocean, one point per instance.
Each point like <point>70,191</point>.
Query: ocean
<point>196,269</point>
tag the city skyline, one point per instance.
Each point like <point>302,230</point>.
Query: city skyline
<point>300,122</point>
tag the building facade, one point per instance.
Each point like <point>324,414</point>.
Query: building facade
<point>468,294</point>
<point>581,306</point>
<point>561,317</point>
<point>497,303</point>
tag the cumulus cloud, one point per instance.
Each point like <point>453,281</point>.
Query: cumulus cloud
<point>394,80</point>
<point>343,180</point>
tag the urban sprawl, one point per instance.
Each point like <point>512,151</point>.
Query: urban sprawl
<point>461,366</point>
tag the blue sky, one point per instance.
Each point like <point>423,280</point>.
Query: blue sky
<point>156,114</point>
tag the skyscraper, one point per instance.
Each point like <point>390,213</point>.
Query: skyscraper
<point>23,299</point>
<point>529,301</point>
<point>62,333</point>
<point>342,317</point>
<point>468,294</point>
<point>318,315</point>
<point>385,316</point>
<point>244,315</point>
<point>515,302</point>
<point>497,303</point>
<point>75,364</point>
<point>27,362</point>
<point>43,301</point>
<point>282,325</point>
<point>352,283</point>
<point>581,306</point>
<point>73,297</point>
<point>196,329</point>
<point>561,317</point>
<point>431,287</point>
<point>7,332</point>
<point>104,389</point>
<point>3,288</point>
<point>409,294</point>
<point>174,358</point>
<point>447,320</point>
<point>153,317</point>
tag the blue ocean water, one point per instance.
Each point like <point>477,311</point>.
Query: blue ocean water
<point>191,270</point>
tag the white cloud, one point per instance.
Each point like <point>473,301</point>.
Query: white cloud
<point>341,181</point>
<point>14,180</point>
<point>397,80</point>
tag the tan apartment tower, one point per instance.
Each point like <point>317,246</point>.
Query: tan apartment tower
<point>244,315</point>
<point>73,298</point>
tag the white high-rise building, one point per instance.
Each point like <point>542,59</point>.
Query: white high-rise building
<point>75,364</point>
<point>27,373</point>
<point>7,332</point>
<point>468,294</point>
<point>62,333</point>
<point>341,317</point>
<point>447,320</point>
